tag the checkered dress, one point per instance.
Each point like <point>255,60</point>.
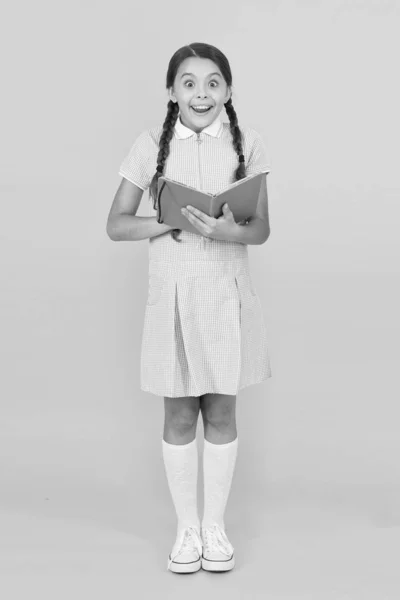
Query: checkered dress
<point>203,329</point>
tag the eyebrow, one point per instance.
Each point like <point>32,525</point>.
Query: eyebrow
<point>219,75</point>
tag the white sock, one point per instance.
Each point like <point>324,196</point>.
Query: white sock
<point>181,466</point>
<point>218,464</point>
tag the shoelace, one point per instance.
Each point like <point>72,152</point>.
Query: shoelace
<point>215,540</point>
<point>191,537</point>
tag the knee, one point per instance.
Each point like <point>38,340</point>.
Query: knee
<point>219,418</point>
<point>218,410</point>
<point>181,417</point>
<point>182,422</point>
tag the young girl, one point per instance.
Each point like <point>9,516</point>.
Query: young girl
<point>204,336</point>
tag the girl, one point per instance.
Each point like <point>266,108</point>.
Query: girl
<point>204,337</point>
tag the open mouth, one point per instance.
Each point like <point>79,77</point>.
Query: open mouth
<point>202,111</point>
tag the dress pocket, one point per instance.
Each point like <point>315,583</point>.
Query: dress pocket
<point>248,300</point>
<point>156,285</point>
<point>245,284</point>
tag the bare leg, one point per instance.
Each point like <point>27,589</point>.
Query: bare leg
<point>180,422</point>
<point>219,417</point>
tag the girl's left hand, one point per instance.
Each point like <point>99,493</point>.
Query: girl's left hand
<point>223,228</point>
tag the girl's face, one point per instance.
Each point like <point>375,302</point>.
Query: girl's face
<point>199,82</point>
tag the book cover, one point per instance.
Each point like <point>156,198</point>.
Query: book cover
<point>241,197</point>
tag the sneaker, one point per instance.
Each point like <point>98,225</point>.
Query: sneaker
<point>217,550</point>
<point>186,553</point>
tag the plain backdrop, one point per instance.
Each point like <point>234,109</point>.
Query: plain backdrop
<point>84,495</point>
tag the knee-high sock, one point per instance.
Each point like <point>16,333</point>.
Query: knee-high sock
<point>218,465</point>
<point>181,466</point>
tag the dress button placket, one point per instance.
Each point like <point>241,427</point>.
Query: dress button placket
<point>199,141</point>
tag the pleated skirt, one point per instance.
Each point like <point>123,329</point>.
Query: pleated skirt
<point>203,330</point>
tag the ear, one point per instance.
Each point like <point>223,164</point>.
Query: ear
<point>228,95</point>
<point>171,95</point>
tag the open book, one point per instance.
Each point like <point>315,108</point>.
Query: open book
<point>241,197</point>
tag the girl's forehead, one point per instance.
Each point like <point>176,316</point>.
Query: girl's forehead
<point>198,67</point>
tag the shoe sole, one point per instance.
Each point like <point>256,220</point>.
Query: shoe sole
<point>218,565</point>
<point>190,567</point>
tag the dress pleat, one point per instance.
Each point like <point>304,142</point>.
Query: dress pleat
<point>203,329</point>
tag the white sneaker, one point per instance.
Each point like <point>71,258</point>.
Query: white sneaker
<point>188,550</point>
<point>217,550</point>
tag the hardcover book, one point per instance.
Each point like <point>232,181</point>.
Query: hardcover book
<point>241,197</point>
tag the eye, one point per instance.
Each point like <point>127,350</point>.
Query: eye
<point>190,81</point>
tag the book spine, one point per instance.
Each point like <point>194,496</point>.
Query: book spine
<point>212,205</point>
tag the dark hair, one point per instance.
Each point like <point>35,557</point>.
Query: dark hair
<point>202,51</point>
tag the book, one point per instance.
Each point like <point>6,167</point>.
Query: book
<point>241,197</point>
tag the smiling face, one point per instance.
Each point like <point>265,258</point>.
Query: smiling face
<point>199,82</point>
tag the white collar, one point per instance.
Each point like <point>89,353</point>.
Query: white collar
<point>183,132</point>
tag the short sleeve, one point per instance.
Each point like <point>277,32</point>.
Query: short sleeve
<point>259,160</point>
<point>138,165</point>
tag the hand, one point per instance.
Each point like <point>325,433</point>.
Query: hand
<point>223,228</point>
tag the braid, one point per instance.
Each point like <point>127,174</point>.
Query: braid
<point>240,172</point>
<point>163,153</point>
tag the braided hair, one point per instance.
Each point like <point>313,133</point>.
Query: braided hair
<point>202,51</point>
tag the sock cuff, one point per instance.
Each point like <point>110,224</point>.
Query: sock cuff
<point>222,446</point>
<point>180,446</point>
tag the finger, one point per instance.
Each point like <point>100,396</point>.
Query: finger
<point>228,214</point>
<point>195,221</point>
<point>200,215</point>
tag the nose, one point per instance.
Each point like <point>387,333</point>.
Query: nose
<point>201,95</point>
